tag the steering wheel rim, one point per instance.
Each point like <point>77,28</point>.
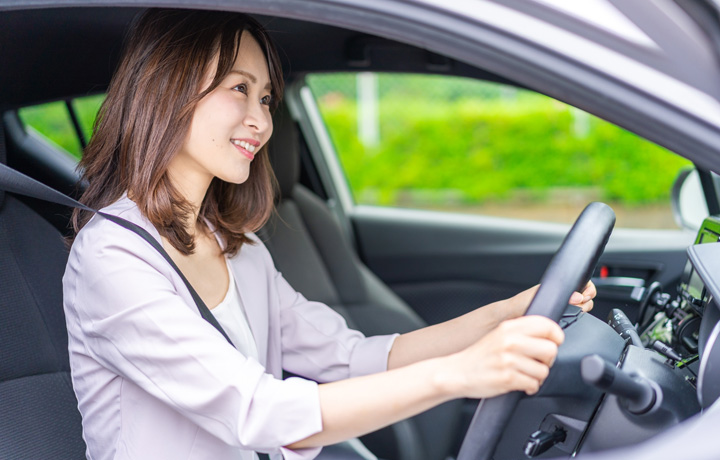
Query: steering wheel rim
<point>568,271</point>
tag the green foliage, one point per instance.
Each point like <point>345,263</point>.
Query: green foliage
<point>483,143</point>
<point>53,121</point>
<point>86,109</point>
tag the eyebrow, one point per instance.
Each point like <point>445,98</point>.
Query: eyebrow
<point>251,77</point>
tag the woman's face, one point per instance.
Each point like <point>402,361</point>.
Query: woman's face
<point>229,126</point>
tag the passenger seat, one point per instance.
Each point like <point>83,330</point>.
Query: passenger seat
<point>311,250</point>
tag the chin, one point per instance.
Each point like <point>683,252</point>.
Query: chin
<point>235,178</point>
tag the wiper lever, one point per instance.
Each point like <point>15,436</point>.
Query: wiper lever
<point>637,394</point>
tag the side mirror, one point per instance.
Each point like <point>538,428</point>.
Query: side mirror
<point>688,200</point>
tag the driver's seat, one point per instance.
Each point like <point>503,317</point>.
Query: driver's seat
<point>39,418</point>
<point>310,249</point>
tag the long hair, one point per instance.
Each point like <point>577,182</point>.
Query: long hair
<point>147,114</point>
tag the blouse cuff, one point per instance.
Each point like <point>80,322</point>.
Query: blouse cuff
<point>298,454</point>
<point>312,424</point>
<point>370,356</point>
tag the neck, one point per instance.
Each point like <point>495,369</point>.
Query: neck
<point>193,190</point>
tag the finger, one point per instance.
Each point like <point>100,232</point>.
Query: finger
<point>587,306</point>
<point>507,381</point>
<point>589,292</point>
<point>525,383</point>
<point>576,298</point>
<point>535,326</point>
<point>510,379</point>
<point>540,350</point>
<point>528,366</point>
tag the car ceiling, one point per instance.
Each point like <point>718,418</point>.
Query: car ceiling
<point>49,54</point>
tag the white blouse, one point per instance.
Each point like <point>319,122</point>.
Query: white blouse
<point>231,315</point>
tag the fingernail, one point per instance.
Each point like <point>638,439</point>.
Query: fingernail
<point>586,299</point>
<point>576,298</point>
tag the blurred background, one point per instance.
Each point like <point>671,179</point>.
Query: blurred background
<point>456,144</point>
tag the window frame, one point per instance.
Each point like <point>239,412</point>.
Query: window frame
<point>305,111</point>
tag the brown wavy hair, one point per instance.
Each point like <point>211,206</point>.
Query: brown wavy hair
<point>146,116</point>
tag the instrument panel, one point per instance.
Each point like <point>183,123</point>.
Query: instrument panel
<point>690,324</point>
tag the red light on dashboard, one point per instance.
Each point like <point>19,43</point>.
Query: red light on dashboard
<point>604,271</point>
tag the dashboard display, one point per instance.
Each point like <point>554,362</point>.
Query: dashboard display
<point>699,287</point>
<point>707,237</point>
<point>692,289</point>
<point>709,231</point>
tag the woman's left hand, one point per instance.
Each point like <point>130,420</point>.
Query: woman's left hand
<point>584,300</point>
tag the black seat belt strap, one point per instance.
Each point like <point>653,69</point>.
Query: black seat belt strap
<point>15,182</point>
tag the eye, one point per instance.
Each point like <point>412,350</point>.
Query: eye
<point>242,88</point>
<point>267,100</point>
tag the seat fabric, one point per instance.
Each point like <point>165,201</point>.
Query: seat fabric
<point>39,416</point>
<point>311,250</point>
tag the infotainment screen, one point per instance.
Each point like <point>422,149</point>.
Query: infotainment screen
<point>706,261</point>
<point>709,231</point>
<point>691,287</point>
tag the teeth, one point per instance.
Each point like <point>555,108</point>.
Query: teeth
<point>247,146</point>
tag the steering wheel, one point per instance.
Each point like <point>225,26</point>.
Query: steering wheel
<point>568,271</point>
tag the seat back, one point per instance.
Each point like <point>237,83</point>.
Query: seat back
<point>311,250</point>
<point>38,410</point>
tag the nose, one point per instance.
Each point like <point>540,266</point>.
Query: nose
<point>258,118</point>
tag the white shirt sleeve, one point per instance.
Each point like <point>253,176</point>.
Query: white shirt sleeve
<point>316,341</point>
<point>318,344</point>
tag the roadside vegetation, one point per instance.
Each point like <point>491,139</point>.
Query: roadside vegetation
<point>448,140</point>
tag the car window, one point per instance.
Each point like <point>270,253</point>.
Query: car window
<point>86,109</point>
<point>464,145</point>
<point>54,123</point>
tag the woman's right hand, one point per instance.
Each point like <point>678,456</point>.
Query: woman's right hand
<point>515,356</point>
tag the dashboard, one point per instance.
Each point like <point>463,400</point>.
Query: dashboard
<point>690,323</point>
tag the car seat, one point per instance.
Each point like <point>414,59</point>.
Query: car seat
<point>310,249</point>
<point>39,418</point>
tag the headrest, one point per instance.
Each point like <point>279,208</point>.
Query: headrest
<point>284,151</point>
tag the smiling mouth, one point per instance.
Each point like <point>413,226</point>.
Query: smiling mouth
<point>246,148</point>
<point>246,145</point>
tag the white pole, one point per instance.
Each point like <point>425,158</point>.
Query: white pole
<point>581,123</point>
<point>367,109</point>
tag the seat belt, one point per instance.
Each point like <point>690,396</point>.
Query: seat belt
<point>18,183</point>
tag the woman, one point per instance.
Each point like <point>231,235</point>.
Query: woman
<point>180,149</point>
